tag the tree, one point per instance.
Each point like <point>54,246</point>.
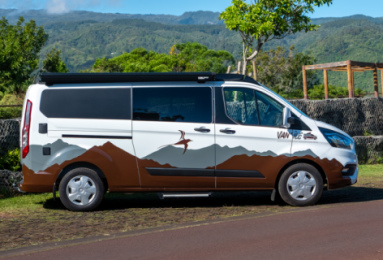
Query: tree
<point>185,57</point>
<point>53,62</point>
<point>264,20</point>
<point>19,49</point>
<point>281,71</point>
<point>193,57</point>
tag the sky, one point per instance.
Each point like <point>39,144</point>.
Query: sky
<point>339,8</point>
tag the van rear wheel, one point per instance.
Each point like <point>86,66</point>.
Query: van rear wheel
<point>81,189</point>
<point>301,185</point>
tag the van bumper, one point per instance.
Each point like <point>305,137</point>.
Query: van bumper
<point>39,182</point>
<point>344,181</point>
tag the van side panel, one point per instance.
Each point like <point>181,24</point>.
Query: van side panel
<point>92,136</point>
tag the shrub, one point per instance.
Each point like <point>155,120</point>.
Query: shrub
<point>317,92</point>
<point>11,160</point>
<point>11,112</point>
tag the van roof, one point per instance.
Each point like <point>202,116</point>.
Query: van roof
<point>51,79</point>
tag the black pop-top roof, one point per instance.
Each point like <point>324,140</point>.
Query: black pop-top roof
<point>70,78</point>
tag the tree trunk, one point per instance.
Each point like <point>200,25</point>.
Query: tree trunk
<point>244,58</point>
<point>255,76</point>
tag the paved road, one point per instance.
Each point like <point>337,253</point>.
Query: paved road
<point>347,231</point>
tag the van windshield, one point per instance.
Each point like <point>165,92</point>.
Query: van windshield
<point>285,100</point>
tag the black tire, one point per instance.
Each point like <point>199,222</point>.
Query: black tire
<point>81,189</point>
<point>300,185</point>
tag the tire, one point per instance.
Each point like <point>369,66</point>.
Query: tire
<point>300,185</point>
<point>81,189</point>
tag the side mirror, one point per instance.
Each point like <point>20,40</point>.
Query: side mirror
<point>286,116</point>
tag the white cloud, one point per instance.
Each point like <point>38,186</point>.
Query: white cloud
<point>56,7</point>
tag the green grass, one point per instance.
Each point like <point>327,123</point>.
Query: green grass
<point>371,170</point>
<point>27,201</point>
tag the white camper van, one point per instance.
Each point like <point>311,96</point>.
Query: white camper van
<point>179,134</point>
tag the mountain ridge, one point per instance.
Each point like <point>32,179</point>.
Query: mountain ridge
<point>85,36</point>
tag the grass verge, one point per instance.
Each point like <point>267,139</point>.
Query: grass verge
<point>36,218</point>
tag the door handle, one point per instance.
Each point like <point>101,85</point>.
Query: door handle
<point>227,131</point>
<point>202,130</point>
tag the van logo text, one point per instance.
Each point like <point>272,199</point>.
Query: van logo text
<point>283,135</point>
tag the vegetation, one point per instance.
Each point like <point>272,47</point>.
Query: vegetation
<point>11,160</point>
<point>83,40</point>
<point>186,57</point>
<point>19,52</point>
<point>357,38</point>
<point>317,92</point>
<point>281,70</point>
<point>53,62</point>
<point>84,37</point>
<point>264,20</point>
<point>11,112</point>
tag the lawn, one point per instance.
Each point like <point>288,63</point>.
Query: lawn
<point>34,219</point>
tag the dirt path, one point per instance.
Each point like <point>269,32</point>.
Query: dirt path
<point>343,231</point>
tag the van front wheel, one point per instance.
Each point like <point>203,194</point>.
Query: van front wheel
<point>301,185</point>
<point>81,189</point>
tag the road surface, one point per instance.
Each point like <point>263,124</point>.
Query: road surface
<point>341,231</point>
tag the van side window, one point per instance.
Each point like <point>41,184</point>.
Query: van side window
<point>241,106</point>
<point>90,103</point>
<point>174,104</point>
<point>270,111</point>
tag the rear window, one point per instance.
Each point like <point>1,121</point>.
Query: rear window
<point>174,104</point>
<point>106,103</point>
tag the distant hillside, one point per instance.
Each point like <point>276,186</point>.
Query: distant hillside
<point>83,42</point>
<point>357,38</point>
<point>43,18</point>
<point>85,36</point>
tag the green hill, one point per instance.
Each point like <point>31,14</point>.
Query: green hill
<point>85,36</point>
<point>357,38</point>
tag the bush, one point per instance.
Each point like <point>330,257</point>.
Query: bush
<point>11,112</point>
<point>317,92</point>
<point>11,160</point>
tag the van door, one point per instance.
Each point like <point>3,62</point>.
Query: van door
<point>251,145</point>
<point>173,136</point>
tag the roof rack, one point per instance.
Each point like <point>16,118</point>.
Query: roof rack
<point>70,78</point>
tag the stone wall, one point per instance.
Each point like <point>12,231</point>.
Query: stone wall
<point>8,181</point>
<point>355,116</point>
<point>369,149</point>
<point>9,135</point>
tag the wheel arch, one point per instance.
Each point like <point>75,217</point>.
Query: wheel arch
<point>81,165</point>
<point>312,163</point>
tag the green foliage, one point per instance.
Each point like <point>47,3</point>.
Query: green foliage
<point>281,71</point>
<point>354,38</point>
<point>53,62</point>
<point>11,160</point>
<point>19,48</point>
<point>367,133</point>
<point>83,37</point>
<point>192,57</point>
<point>11,112</point>
<point>186,57</point>
<point>317,92</point>
<point>264,20</point>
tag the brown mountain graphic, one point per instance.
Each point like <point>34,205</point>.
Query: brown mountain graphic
<point>121,168</point>
<point>270,166</point>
